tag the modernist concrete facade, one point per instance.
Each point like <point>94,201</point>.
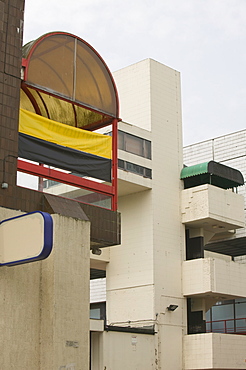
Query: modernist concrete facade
<point>149,272</point>
<point>152,249</point>
<point>156,297</point>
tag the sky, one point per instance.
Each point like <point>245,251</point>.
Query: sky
<point>205,40</point>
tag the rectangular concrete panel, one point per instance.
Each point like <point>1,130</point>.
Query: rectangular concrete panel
<point>214,277</point>
<point>212,208</point>
<point>214,351</point>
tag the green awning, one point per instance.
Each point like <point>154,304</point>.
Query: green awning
<point>213,173</point>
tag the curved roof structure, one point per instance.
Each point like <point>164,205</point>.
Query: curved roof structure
<point>211,173</point>
<point>66,80</point>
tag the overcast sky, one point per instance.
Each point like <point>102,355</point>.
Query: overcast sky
<point>205,40</point>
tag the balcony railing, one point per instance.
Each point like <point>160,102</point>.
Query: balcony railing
<point>229,326</point>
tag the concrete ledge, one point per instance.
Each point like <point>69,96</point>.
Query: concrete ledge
<point>214,277</point>
<point>214,351</point>
<point>212,208</point>
<point>96,325</point>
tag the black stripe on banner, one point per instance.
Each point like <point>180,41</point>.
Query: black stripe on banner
<point>45,152</point>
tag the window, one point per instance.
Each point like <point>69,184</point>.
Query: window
<point>98,311</point>
<point>228,316</point>
<point>134,168</point>
<point>222,316</point>
<point>240,315</point>
<point>134,144</point>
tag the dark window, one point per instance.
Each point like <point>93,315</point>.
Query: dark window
<point>121,164</point>
<point>98,311</point>
<point>131,167</point>
<point>134,168</point>
<point>148,173</point>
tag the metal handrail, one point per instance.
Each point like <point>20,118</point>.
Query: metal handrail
<point>226,327</point>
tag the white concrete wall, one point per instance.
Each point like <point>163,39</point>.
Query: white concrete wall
<point>214,351</point>
<point>133,84</point>
<point>214,277</point>
<point>212,208</point>
<point>121,351</point>
<point>168,232</point>
<point>45,305</point>
<point>144,273</point>
<point>96,325</point>
<point>130,284</point>
<point>131,128</point>
<point>129,351</point>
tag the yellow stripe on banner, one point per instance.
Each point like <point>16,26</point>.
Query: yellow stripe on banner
<point>55,132</point>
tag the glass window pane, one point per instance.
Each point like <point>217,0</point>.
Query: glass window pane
<point>95,313</point>
<point>132,167</point>
<point>222,316</point>
<point>79,194</point>
<point>222,312</point>
<point>147,153</point>
<point>121,140</point>
<point>240,310</point>
<point>134,145</point>
<point>240,314</point>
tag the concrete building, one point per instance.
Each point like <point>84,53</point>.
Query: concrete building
<point>180,250</point>
<point>172,265</point>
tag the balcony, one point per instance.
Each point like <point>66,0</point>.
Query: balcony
<point>214,277</point>
<point>214,351</point>
<point>214,209</point>
<point>134,173</point>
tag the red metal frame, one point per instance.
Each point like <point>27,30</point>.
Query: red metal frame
<point>31,98</point>
<point>65,178</point>
<point>45,172</point>
<point>226,329</point>
<point>115,164</point>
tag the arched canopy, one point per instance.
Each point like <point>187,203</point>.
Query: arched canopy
<point>66,80</point>
<point>213,173</point>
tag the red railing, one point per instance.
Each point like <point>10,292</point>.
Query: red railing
<point>230,326</point>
